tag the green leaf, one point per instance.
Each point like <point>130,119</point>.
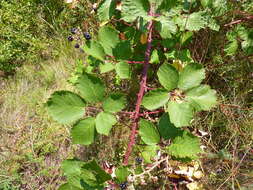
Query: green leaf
<point>149,152</point>
<point>91,88</point>
<point>154,57</point>
<point>231,48</point>
<point>185,37</point>
<point>65,107</point>
<point>123,70</point>
<point>68,186</point>
<point>167,129</point>
<point>185,146</point>
<point>168,76</point>
<point>94,49</point>
<point>183,55</point>
<point>131,9</point>
<point>99,173</point>
<point>191,76</point>
<point>148,132</point>
<point>123,50</point>
<point>194,21</point>
<point>122,173</point>
<point>155,99</point>
<point>104,122</point>
<point>114,103</point>
<point>106,67</point>
<point>108,38</point>
<point>106,10</point>
<point>202,97</point>
<point>180,113</point>
<point>83,132</point>
<point>166,27</point>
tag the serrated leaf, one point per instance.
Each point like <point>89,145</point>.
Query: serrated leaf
<point>195,21</point>
<point>94,49</point>
<point>91,88</point>
<point>185,37</point>
<point>185,146</point>
<point>123,70</point>
<point>202,97</point>
<point>68,186</point>
<point>183,55</point>
<point>83,132</point>
<point>99,173</point>
<point>148,132</point>
<point>122,173</point>
<point>114,103</point>
<point>180,113</point>
<point>154,57</point>
<point>231,48</point>
<point>104,122</point>
<point>108,38</point>
<point>191,76</point>
<point>131,9</point>
<point>123,50</point>
<point>167,129</point>
<point>65,107</point>
<point>155,99</point>
<point>106,67</point>
<point>166,27</point>
<point>106,10</point>
<point>149,152</point>
<point>168,76</point>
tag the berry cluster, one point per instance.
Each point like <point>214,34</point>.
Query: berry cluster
<point>123,185</point>
<point>76,36</point>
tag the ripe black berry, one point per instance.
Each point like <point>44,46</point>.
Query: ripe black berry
<point>77,46</point>
<point>73,30</point>
<point>87,36</point>
<point>138,160</point>
<point>123,185</point>
<point>70,38</point>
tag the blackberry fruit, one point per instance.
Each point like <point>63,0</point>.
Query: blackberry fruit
<point>87,36</point>
<point>70,38</point>
<point>138,160</point>
<point>77,46</point>
<point>123,185</point>
<point>73,30</point>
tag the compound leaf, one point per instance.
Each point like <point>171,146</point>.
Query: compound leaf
<point>94,49</point>
<point>83,132</point>
<point>106,67</point>
<point>106,10</point>
<point>186,146</point>
<point>91,88</point>
<point>167,129</point>
<point>202,97</point>
<point>155,99</point>
<point>195,21</point>
<point>123,70</point>
<point>68,186</point>
<point>180,113</point>
<point>122,173</point>
<point>108,38</point>
<point>131,9</point>
<point>149,152</point>
<point>191,76</point>
<point>104,122</point>
<point>65,107</point>
<point>148,132</point>
<point>168,76</point>
<point>114,103</point>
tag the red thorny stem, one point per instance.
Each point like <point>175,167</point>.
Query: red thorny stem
<point>140,95</point>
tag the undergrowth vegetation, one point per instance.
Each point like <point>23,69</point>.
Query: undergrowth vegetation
<point>151,95</point>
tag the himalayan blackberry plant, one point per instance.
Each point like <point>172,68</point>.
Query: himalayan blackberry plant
<point>142,42</point>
